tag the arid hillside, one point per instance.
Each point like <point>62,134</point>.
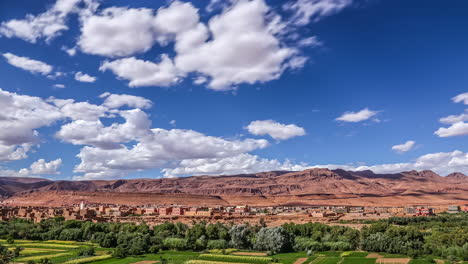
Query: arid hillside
<point>313,186</point>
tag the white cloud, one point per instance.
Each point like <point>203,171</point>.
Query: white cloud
<point>359,116</point>
<point>242,163</point>
<point>14,152</point>
<point>274,129</point>
<point>159,149</point>
<point>306,11</point>
<point>93,132</point>
<point>119,100</point>
<point>456,129</point>
<point>118,31</point>
<point>173,123</point>
<point>405,147</point>
<point>143,73</point>
<point>40,167</point>
<point>442,163</point>
<point>27,64</point>
<point>461,98</point>
<point>249,51</point>
<point>21,116</point>
<point>246,51</point>
<point>83,77</point>
<point>310,42</point>
<point>59,85</point>
<point>70,51</point>
<point>452,119</point>
<point>82,110</point>
<point>47,25</point>
<point>108,150</point>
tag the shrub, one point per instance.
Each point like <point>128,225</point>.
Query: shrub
<point>86,252</point>
<point>175,243</point>
<point>217,244</point>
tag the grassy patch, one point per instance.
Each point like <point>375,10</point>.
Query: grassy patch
<point>361,260</point>
<point>420,261</point>
<point>46,245</point>
<point>235,259</point>
<point>356,254</point>
<point>173,257</point>
<point>289,258</point>
<point>88,259</point>
<point>49,256</point>
<point>326,260</point>
<point>198,261</point>
<point>329,254</point>
<point>391,255</point>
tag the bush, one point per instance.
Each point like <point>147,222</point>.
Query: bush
<point>86,252</point>
<point>175,243</point>
<point>120,252</point>
<point>217,244</point>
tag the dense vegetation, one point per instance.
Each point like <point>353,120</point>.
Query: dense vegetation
<point>445,236</point>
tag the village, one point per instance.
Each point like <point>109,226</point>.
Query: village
<point>155,214</point>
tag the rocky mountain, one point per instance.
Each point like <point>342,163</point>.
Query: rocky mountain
<point>313,186</point>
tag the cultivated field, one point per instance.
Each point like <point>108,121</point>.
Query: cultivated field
<point>67,252</point>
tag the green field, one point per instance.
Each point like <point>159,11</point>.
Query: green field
<point>67,252</point>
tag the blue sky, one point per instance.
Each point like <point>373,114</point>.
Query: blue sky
<point>235,87</point>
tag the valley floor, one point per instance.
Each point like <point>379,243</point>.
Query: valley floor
<point>67,252</point>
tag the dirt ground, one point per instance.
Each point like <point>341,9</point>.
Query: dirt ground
<point>300,260</point>
<point>374,255</point>
<point>393,260</point>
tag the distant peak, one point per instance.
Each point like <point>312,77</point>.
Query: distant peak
<point>457,175</point>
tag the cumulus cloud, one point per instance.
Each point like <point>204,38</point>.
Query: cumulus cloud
<point>118,31</point>
<point>246,52</point>
<point>109,150</point>
<point>242,163</point>
<point>83,77</point>
<point>119,100</point>
<point>38,168</point>
<point>93,132</point>
<point>461,98</point>
<point>222,53</point>
<point>452,119</point>
<point>274,129</point>
<point>405,147</point>
<point>47,25</point>
<point>27,64</point>
<point>359,116</point>
<point>458,126</point>
<point>159,149</point>
<point>80,110</point>
<point>456,129</point>
<point>442,163</point>
<point>143,73</point>
<point>21,116</point>
<point>306,11</point>
<point>41,167</point>
<point>59,85</point>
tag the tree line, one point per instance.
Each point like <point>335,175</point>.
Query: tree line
<point>445,236</point>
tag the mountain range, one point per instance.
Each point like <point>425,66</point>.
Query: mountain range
<point>309,187</point>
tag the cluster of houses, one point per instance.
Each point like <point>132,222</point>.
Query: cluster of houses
<point>106,213</point>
